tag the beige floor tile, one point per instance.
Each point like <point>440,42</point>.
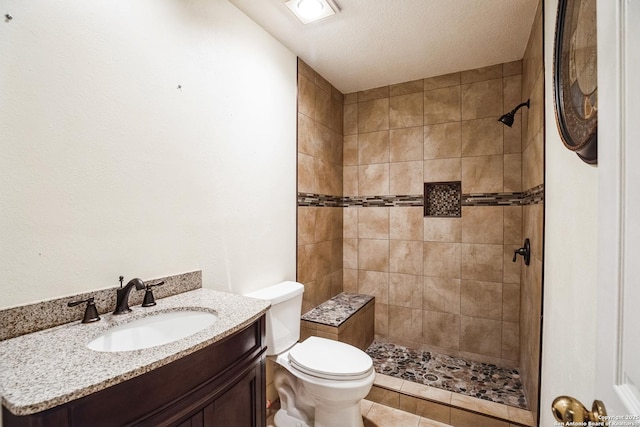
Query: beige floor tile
<point>388,382</point>
<point>383,416</point>
<point>479,405</point>
<point>426,392</point>
<point>426,422</point>
<point>365,406</point>
<point>520,416</point>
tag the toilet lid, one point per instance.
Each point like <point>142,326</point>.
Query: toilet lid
<point>330,359</point>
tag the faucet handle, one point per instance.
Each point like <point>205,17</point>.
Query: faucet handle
<point>149,300</point>
<point>90,313</point>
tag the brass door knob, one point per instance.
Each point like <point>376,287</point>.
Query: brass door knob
<point>567,409</point>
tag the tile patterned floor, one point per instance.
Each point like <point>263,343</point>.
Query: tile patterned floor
<point>376,415</point>
<point>481,380</point>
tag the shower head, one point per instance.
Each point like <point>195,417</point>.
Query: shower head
<point>507,119</point>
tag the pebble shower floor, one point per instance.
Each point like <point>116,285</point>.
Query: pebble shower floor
<point>481,380</point>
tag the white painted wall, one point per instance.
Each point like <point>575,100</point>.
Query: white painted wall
<point>108,168</point>
<point>570,259</point>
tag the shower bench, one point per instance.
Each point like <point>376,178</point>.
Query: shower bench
<point>347,317</point>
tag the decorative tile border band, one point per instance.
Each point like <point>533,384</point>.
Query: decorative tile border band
<point>319,200</point>
<point>533,196</point>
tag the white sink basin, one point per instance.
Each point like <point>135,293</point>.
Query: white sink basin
<point>154,330</point>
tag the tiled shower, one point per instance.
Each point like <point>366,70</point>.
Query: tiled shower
<point>442,283</point>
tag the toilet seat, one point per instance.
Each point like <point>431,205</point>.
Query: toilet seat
<point>329,359</point>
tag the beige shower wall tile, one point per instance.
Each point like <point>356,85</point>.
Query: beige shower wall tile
<point>510,302</point>
<point>374,283</point>
<point>373,180</point>
<point>406,87</point>
<point>482,336</point>
<point>482,174</point>
<point>480,74</point>
<point>512,68</point>
<point>381,326</point>
<point>482,99</point>
<point>350,222</point>
<point>373,255</point>
<point>406,110</point>
<point>481,137</point>
<point>306,224</point>
<point>513,135</point>
<point>328,111</point>
<point>510,340</point>
<point>481,262</point>
<point>306,96</point>
<point>373,147</point>
<point>444,170</point>
<point>512,173</point>
<point>350,150</point>
<point>406,178</point>
<point>406,144</point>
<point>442,105</point>
<point>512,89</point>
<point>442,141</point>
<point>442,259</point>
<point>512,225</point>
<point>442,229</point>
<point>371,94</point>
<point>405,323</point>
<point>350,120</point>
<point>511,270</point>
<point>406,223</point>
<point>405,290</point>
<point>373,223</point>
<point>441,294</point>
<point>482,224</point>
<point>349,182</point>
<point>306,140</point>
<point>350,253</point>
<point>350,98</point>
<point>405,256</point>
<point>328,144</point>
<point>373,115</point>
<point>481,299</point>
<point>441,329</point>
<point>350,280</point>
<point>306,174</point>
<point>533,162</point>
<point>445,80</point>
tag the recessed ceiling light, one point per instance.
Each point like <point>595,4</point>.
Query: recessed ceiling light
<point>311,10</point>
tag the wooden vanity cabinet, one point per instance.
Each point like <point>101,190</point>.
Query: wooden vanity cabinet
<point>220,385</point>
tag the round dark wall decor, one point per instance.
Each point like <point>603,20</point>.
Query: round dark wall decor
<point>575,77</point>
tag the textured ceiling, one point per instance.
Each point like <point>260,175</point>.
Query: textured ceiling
<point>373,43</point>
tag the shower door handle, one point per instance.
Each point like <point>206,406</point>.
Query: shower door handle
<point>568,409</point>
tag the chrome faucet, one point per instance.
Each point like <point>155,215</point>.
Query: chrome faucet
<point>122,295</point>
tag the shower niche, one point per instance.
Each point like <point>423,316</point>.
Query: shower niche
<point>443,199</point>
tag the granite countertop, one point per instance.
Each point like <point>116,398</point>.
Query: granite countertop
<point>51,367</point>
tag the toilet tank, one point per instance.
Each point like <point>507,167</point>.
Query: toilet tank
<point>283,318</point>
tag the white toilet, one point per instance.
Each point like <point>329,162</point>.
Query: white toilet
<point>320,381</point>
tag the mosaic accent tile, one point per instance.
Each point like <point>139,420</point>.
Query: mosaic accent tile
<point>310,199</point>
<point>442,199</point>
<point>532,196</point>
<point>480,380</point>
<point>338,309</point>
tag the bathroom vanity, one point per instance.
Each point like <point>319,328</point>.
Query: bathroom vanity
<point>212,378</point>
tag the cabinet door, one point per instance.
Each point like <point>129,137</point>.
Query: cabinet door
<point>242,404</point>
